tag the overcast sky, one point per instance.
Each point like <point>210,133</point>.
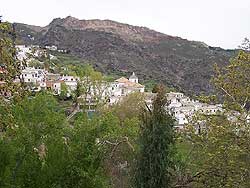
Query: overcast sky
<point>221,23</point>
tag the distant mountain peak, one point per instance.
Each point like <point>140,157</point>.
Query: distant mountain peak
<point>71,18</point>
<point>125,31</point>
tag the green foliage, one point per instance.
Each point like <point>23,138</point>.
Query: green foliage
<point>43,151</point>
<point>233,82</point>
<point>35,63</point>
<point>5,116</point>
<point>219,144</point>
<point>149,85</point>
<point>65,59</point>
<point>90,87</point>
<point>116,143</point>
<point>64,91</point>
<point>9,64</point>
<point>157,87</point>
<point>156,146</point>
<point>38,147</point>
<point>10,91</point>
<point>129,107</point>
<point>118,129</point>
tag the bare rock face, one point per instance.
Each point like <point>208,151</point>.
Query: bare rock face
<point>126,31</point>
<point>114,47</point>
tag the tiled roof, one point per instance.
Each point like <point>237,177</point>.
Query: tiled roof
<point>133,84</point>
<point>128,83</point>
<point>49,84</point>
<point>122,80</point>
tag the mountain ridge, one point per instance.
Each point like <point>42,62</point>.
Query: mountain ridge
<point>116,47</point>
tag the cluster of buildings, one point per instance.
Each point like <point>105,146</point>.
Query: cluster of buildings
<point>36,50</point>
<point>183,108</point>
<point>40,79</point>
<point>180,106</point>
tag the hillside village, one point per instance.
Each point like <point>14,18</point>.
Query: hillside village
<point>180,106</point>
<point>98,103</point>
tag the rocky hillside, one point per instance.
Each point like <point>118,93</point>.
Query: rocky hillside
<point>114,47</point>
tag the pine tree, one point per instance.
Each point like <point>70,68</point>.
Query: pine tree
<point>156,146</point>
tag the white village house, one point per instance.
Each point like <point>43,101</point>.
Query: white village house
<point>71,82</point>
<point>32,75</point>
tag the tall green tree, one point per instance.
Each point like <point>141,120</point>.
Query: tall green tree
<point>91,87</point>
<point>10,89</point>
<point>156,146</point>
<point>122,122</point>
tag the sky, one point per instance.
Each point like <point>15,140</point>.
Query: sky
<point>221,23</point>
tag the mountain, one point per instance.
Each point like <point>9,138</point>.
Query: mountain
<point>118,48</point>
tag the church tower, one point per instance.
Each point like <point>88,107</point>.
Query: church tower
<point>133,78</point>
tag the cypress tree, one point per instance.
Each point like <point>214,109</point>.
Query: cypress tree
<point>156,145</point>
